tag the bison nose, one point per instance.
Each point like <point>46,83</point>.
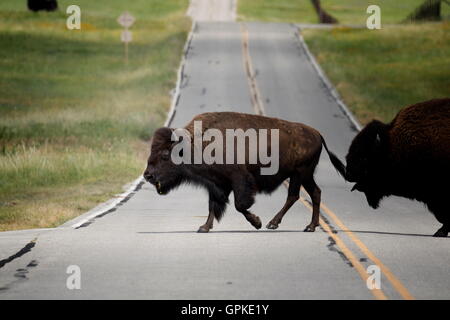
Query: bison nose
<point>149,177</point>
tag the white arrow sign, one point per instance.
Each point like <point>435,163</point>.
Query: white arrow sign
<point>126,20</point>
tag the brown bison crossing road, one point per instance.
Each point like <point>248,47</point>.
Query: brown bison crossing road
<point>148,247</point>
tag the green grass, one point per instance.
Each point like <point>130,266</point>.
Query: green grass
<point>74,119</point>
<point>379,72</point>
<point>346,11</point>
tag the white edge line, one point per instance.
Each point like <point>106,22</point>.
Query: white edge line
<point>326,81</point>
<point>110,204</point>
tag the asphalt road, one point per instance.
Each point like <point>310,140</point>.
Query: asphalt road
<point>212,10</point>
<point>148,248</point>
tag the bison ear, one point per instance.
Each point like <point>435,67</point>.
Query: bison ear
<point>377,131</point>
<point>162,138</point>
<point>163,134</point>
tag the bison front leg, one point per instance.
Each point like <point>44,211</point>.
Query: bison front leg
<point>252,218</point>
<point>208,225</point>
<point>293,196</point>
<point>315,194</point>
<point>217,205</point>
<point>244,189</point>
<point>242,204</point>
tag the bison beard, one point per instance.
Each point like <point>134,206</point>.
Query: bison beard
<point>408,157</point>
<point>301,146</point>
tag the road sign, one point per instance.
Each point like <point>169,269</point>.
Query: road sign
<point>126,20</point>
<point>126,36</point>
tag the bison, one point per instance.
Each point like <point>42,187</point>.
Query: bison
<point>408,157</point>
<point>300,144</point>
<point>38,5</point>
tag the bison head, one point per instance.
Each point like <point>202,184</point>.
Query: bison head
<point>161,171</point>
<point>366,161</point>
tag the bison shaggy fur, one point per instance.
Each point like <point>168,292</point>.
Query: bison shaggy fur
<point>408,157</point>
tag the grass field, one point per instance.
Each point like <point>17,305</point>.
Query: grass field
<point>346,11</point>
<point>379,72</point>
<point>73,117</point>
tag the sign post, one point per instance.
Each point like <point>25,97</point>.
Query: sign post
<point>126,20</point>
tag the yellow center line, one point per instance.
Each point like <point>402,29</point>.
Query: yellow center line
<point>389,275</point>
<point>378,293</point>
<point>255,95</point>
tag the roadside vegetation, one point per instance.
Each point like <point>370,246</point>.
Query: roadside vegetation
<point>381,71</point>
<point>376,72</point>
<point>74,119</point>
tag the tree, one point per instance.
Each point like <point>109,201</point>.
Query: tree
<point>324,17</point>
<point>37,5</point>
<point>428,10</point>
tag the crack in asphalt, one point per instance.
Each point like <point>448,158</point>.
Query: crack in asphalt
<point>332,244</point>
<point>20,253</point>
<point>20,275</point>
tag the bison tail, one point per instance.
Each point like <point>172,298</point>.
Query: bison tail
<point>337,164</point>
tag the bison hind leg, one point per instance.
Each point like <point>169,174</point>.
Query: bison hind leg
<point>293,196</point>
<point>315,194</point>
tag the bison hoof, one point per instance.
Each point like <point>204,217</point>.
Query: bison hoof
<point>441,234</point>
<point>202,229</point>
<point>310,228</point>
<point>272,226</point>
<point>257,222</point>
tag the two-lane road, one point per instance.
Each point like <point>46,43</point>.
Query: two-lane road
<point>148,247</point>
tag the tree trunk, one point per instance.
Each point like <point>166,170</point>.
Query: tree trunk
<point>324,17</point>
<point>47,5</point>
<point>429,10</point>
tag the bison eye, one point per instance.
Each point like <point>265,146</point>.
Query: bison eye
<point>165,154</point>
